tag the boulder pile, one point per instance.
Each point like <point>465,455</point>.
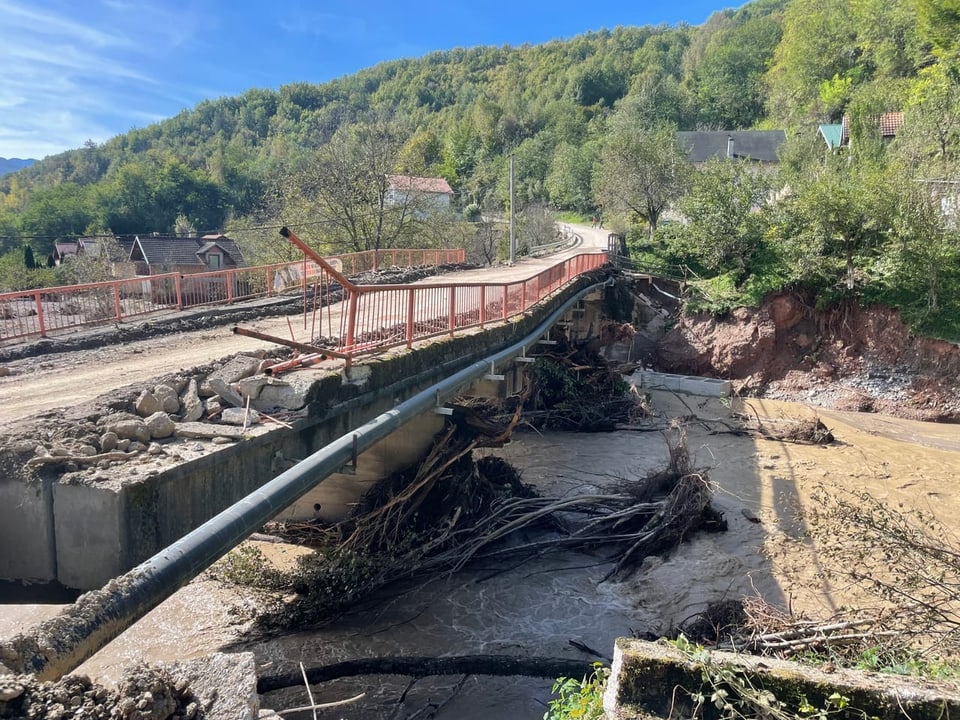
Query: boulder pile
<point>220,405</point>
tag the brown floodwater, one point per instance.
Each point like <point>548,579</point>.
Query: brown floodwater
<point>539,607</point>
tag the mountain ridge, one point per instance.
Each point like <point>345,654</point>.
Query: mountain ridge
<point>10,165</point>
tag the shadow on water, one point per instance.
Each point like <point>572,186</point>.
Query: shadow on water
<point>16,592</point>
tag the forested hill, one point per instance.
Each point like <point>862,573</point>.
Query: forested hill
<point>460,110</point>
<point>460,113</point>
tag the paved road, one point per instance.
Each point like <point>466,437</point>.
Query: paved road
<point>39,384</point>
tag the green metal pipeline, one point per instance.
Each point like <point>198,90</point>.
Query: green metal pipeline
<point>59,645</point>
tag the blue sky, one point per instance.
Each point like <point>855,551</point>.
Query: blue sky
<point>73,70</point>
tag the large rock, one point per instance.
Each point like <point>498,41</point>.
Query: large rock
<point>239,416</point>
<point>130,429</point>
<point>168,398</point>
<point>191,404</point>
<point>147,404</point>
<point>160,425</point>
<point>235,369</point>
<point>108,442</point>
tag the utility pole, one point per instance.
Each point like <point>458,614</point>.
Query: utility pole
<point>513,239</point>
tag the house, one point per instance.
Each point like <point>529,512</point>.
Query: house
<point>424,194</point>
<point>156,254</point>
<point>66,250</point>
<point>838,135</point>
<point>755,146</point>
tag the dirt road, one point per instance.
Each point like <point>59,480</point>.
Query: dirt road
<point>36,385</point>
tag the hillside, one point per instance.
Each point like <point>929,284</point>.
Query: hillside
<point>459,112</point>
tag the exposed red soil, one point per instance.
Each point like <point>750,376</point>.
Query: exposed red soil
<point>848,358</point>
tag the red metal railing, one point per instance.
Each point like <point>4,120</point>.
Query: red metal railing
<point>375,317</point>
<point>48,311</point>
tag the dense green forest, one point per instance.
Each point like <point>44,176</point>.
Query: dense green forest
<point>591,125</point>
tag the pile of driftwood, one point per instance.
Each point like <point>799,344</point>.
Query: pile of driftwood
<point>754,626</point>
<point>573,388</point>
<point>452,509</point>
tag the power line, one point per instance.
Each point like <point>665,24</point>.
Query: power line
<point>78,236</point>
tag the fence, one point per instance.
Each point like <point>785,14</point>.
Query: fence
<point>49,311</point>
<point>382,316</point>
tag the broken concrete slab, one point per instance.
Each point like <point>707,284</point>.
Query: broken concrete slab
<point>191,404</point>
<point>234,370</point>
<point>268,393</point>
<point>656,678</point>
<point>207,431</point>
<point>239,416</point>
<point>227,394</point>
<point>292,393</point>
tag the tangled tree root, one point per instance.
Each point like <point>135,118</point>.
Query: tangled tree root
<point>451,510</point>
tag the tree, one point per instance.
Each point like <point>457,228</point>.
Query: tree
<point>568,180</point>
<point>926,252</point>
<point>346,183</point>
<point>940,23</point>
<point>931,129</point>
<point>724,226</point>
<point>817,43</point>
<point>729,78</point>
<point>642,170</point>
<point>841,210</point>
<point>535,225</point>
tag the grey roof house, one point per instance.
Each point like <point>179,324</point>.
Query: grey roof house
<point>154,254</point>
<point>757,146</point>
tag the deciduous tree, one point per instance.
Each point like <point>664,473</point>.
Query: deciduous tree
<point>724,225</point>
<point>642,170</point>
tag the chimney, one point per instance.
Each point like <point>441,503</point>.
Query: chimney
<point>730,146</point>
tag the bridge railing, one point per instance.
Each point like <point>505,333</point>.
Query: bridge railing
<point>381,316</point>
<point>55,310</point>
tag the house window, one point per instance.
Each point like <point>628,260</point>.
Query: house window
<point>214,261</point>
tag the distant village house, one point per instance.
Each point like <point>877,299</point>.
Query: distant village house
<point>157,254</point>
<point>425,195</point>
<point>755,146</point>
<point>837,135</point>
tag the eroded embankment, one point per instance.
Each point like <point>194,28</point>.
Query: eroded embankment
<point>849,358</point>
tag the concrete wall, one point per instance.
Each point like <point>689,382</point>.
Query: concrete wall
<point>27,550</point>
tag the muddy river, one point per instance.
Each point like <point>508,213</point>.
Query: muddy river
<point>542,608</point>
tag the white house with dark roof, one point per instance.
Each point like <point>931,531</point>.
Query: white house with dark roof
<point>423,194</point>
